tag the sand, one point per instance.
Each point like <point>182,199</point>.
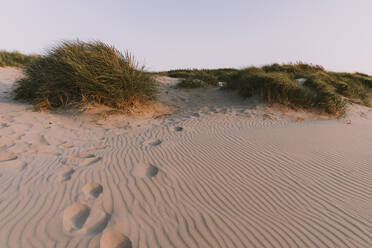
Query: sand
<point>218,171</point>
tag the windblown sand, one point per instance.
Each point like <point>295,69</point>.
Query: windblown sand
<point>217,172</point>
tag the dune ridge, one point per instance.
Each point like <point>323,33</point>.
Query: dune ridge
<point>210,175</point>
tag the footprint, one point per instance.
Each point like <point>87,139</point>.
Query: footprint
<point>153,142</point>
<point>92,190</point>
<point>44,141</point>
<point>82,155</point>
<point>96,222</point>
<point>67,145</point>
<point>178,129</point>
<point>65,174</point>
<point>143,171</point>
<point>5,156</point>
<point>14,164</point>
<point>74,217</point>
<point>6,142</point>
<point>88,161</point>
<point>3,124</point>
<point>50,153</point>
<point>80,219</point>
<point>156,142</point>
<point>96,147</point>
<point>114,239</point>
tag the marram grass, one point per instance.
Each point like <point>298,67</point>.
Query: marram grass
<point>15,59</point>
<point>75,73</point>
<point>323,90</point>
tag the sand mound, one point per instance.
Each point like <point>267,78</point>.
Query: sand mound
<point>236,174</point>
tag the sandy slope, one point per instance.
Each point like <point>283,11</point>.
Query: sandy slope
<point>218,172</point>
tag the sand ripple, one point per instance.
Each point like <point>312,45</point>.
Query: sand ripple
<point>225,179</point>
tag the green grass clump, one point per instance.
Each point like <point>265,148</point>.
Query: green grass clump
<point>326,98</point>
<point>277,84</point>
<point>272,87</point>
<point>192,83</point>
<point>209,76</point>
<point>16,59</point>
<point>75,73</point>
<point>350,85</point>
<point>323,90</point>
<point>296,68</point>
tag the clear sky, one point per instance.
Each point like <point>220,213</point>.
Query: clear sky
<point>168,34</point>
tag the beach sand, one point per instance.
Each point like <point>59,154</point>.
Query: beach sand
<point>209,170</point>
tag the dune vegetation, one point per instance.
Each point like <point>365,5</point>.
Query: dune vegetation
<point>75,73</point>
<point>192,83</point>
<point>295,85</point>
<point>211,77</point>
<point>16,59</point>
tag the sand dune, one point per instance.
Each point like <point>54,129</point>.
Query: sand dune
<point>218,172</point>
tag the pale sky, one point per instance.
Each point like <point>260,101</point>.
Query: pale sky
<point>169,34</point>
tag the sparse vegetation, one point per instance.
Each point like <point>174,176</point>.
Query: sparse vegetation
<point>16,59</point>
<point>273,87</point>
<point>321,89</point>
<point>192,83</point>
<point>281,87</point>
<point>209,76</point>
<point>351,85</point>
<point>75,73</point>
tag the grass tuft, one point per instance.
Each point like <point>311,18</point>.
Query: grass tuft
<point>192,83</point>
<point>277,83</point>
<point>209,76</point>
<point>75,73</point>
<point>16,59</point>
<point>272,87</point>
